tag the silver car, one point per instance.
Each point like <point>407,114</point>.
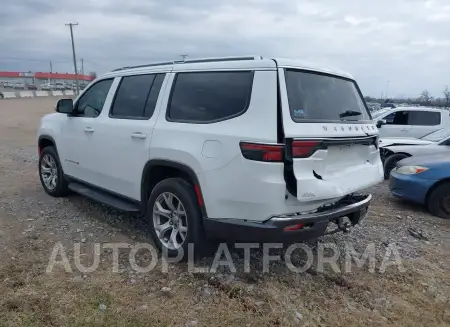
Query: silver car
<point>393,152</point>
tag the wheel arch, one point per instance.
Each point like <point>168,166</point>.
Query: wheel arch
<point>403,153</point>
<point>390,155</point>
<point>156,170</point>
<point>44,141</point>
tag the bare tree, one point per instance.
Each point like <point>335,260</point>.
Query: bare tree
<point>447,95</point>
<point>425,97</point>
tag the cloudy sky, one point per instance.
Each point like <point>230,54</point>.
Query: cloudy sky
<point>406,42</point>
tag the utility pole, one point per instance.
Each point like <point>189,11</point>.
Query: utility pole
<point>387,88</point>
<point>82,66</point>
<point>74,56</point>
<point>51,70</point>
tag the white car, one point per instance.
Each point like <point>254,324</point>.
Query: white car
<point>415,122</point>
<point>59,86</point>
<point>243,148</point>
<point>395,141</point>
<point>47,87</point>
<point>19,86</point>
<point>393,150</point>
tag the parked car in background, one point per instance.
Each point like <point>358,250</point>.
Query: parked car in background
<point>32,87</point>
<point>415,122</point>
<point>283,174</point>
<point>391,141</point>
<point>392,152</point>
<point>424,179</point>
<point>388,105</point>
<point>19,86</point>
<point>373,106</point>
<point>47,87</point>
<point>60,86</point>
<point>1,95</point>
<point>8,85</point>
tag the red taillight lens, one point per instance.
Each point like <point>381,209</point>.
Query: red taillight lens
<point>262,152</point>
<point>304,149</point>
<point>294,227</point>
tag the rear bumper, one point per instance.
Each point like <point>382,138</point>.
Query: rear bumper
<point>273,230</point>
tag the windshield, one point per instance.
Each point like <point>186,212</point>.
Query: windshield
<point>315,96</point>
<point>436,136</point>
<point>378,113</point>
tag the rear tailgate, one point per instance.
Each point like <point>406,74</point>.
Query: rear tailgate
<point>331,142</point>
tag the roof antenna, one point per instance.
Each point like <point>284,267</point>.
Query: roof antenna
<point>183,57</point>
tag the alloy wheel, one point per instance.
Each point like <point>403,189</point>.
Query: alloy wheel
<point>170,220</point>
<point>49,172</point>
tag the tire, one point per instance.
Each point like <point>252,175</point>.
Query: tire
<point>182,192</point>
<point>59,187</point>
<point>391,162</point>
<point>439,201</point>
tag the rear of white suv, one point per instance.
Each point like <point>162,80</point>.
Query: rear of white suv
<point>246,149</point>
<point>318,149</point>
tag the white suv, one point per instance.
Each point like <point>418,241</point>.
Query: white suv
<point>244,148</point>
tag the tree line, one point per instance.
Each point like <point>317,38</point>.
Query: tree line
<point>425,99</point>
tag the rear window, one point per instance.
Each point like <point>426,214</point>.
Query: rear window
<point>320,97</point>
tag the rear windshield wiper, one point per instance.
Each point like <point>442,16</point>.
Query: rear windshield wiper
<point>349,113</point>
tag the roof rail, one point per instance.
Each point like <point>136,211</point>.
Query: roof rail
<point>147,65</point>
<point>218,59</point>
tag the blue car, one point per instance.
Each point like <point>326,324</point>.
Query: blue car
<point>425,180</point>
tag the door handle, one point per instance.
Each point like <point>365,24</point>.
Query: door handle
<point>88,130</point>
<point>404,130</point>
<point>139,135</point>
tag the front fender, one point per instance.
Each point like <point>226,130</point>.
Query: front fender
<point>50,127</point>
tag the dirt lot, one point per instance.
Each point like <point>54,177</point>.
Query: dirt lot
<point>31,223</point>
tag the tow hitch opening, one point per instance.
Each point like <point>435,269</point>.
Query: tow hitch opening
<point>341,226</point>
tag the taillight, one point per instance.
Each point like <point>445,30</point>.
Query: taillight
<point>262,152</point>
<point>304,149</point>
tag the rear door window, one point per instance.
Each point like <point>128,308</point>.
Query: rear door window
<point>424,118</point>
<point>207,97</point>
<point>321,97</point>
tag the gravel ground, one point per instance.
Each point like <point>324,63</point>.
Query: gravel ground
<point>31,222</point>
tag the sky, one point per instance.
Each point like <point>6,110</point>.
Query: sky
<point>398,47</point>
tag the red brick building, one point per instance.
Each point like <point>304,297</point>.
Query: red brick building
<point>42,77</point>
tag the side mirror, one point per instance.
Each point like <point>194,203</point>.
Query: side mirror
<point>381,123</point>
<point>64,106</point>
